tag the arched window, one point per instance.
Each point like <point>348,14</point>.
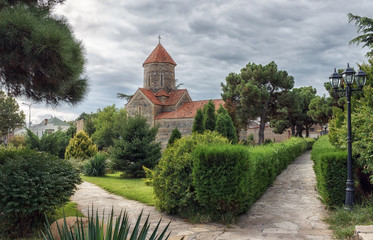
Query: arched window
<point>149,81</point>
<point>139,110</point>
<point>161,80</point>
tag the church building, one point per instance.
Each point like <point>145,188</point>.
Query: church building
<point>160,101</point>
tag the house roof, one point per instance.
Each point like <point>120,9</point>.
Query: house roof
<point>55,121</point>
<point>159,55</point>
<point>173,96</point>
<point>188,110</point>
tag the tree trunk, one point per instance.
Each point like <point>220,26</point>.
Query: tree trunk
<point>263,118</point>
<point>293,130</point>
<point>307,131</point>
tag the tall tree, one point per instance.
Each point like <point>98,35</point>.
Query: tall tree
<point>320,109</point>
<point>304,97</point>
<point>104,123</point>
<point>254,92</point>
<point>224,126</point>
<point>198,125</point>
<point>365,26</point>
<point>209,119</point>
<point>39,56</point>
<point>136,147</point>
<point>10,116</point>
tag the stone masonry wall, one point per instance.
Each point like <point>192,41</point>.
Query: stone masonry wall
<point>152,76</point>
<point>166,126</point>
<point>140,103</point>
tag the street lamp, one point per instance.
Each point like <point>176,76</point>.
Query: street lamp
<point>349,77</point>
<point>29,113</point>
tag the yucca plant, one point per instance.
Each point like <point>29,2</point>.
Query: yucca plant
<point>115,230</point>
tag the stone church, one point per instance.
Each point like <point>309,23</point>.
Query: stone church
<point>160,101</point>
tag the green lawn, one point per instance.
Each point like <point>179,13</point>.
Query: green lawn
<point>343,221</point>
<point>134,189</point>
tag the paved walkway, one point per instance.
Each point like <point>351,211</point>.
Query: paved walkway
<point>290,209</point>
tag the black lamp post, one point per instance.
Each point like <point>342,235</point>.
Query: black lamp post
<point>348,77</point>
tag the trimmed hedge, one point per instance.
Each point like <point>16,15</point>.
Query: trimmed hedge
<point>219,180</point>
<point>220,176</point>
<point>330,166</point>
<point>31,184</point>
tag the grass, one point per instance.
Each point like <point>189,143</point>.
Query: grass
<point>343,221</point>
<point>133,189</point>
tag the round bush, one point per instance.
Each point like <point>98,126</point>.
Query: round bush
<point>32,183</point>
<point>172,181</point>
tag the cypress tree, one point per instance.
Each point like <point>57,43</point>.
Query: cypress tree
<point>209,116</point>
<point>198,125</point>
<point>174,135</point>
<point>224,125</point>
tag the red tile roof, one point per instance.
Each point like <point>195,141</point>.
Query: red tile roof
<point>159,55</point>
<point>162,93</point>
<point>188,110</point>
<point>174,96</point>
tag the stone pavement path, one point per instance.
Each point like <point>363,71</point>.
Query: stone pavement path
<point>290,209</point>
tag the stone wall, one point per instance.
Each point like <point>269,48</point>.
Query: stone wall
<point>142,105</point>
<point>166,126</point>
<point>154,72</point>
<point>268,134</point>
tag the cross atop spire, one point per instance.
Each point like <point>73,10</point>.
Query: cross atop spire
<point>159,37</point>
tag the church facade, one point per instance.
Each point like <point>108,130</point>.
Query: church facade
<point>160,101</point>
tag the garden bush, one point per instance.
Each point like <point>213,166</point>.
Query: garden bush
<point>172,180</point>
<point>204,178</point>
<point>80,147</point>
<point>32,183</point>
<point>96,166</point>
<point>220,176</point>
<point>330,166</point>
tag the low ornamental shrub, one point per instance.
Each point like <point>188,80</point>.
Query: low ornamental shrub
<point>80,147</point>
<point>31,184</point>
<point>330,166</point>
<point>220,176</point>
<point>172,179</point>
<point>96,166</point>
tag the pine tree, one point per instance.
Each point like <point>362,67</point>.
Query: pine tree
<point>174,135</point>
<point>209,116</point>
<point>198,125</point>
<point>81,146</point>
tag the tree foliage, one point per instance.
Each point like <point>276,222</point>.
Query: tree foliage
<point>198,125</point>
<point>39,56</point>
<point>105,126</point>
<point>365,27</point>
<point>135,147</point>
<point>320,109</point>
<point>254,91</point>
<point>80,146</point>
<point>209,116</point>
<point>10,116</point>
<point>175,134</point>
<point>224,126</point>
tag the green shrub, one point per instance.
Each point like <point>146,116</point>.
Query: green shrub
<point>80,147</point>
<point>17,141</point>
<point>32,183</point>
<point>330,166</point>
<point>202,176</point>
<point>96,165</point>
<point>221,177</point>
<point>172,180</point>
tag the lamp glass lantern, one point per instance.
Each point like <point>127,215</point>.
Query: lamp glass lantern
<point>361,78</point>
<point>349,75</point>
<point>335,79</point>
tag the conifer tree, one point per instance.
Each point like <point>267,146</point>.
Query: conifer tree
<point>81,146</point>
<point>198,125</point>
<point>174,135</point>
<point>209,116</point>
<point>224,125</point>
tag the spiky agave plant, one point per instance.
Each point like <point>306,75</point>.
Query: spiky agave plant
<point>95,229</point>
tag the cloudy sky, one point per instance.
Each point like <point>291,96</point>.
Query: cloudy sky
<point>208,40</point>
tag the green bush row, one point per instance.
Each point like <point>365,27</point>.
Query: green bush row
<point>202,176</point>
<point>330,166</point>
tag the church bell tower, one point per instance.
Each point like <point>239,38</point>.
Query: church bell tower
<point>159,70</point>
